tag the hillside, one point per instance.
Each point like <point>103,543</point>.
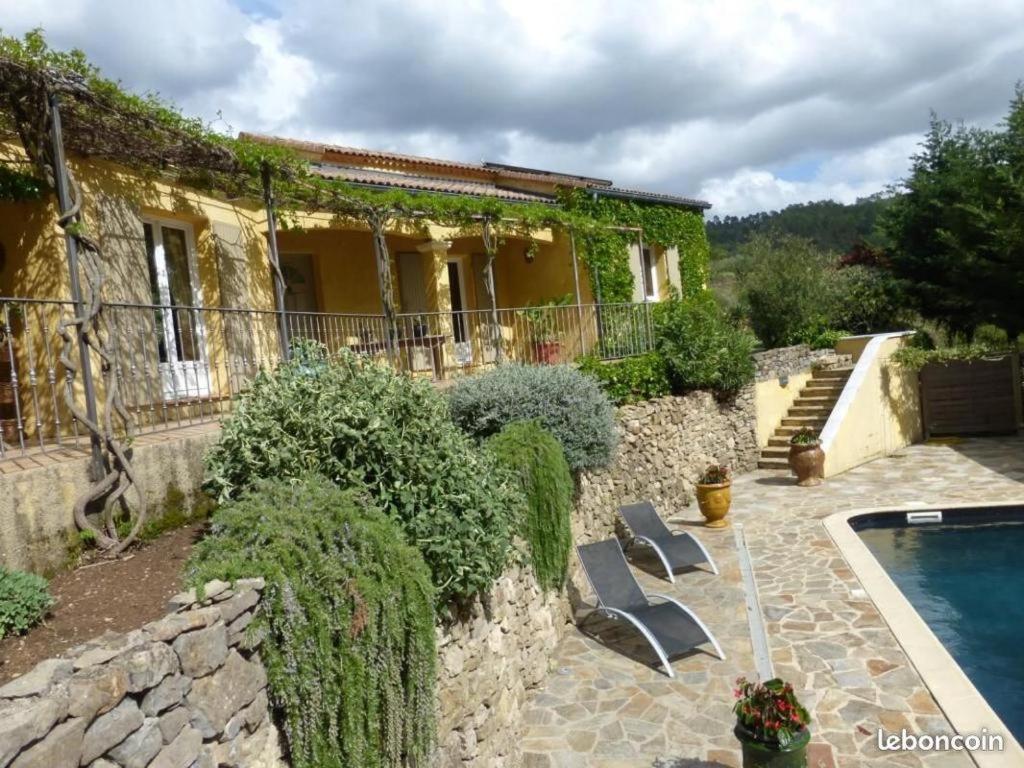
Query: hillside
<point>833,226</point>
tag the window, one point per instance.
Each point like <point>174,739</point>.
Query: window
<point>650,275</point>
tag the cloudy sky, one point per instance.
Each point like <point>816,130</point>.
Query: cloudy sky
<point>750,105</point>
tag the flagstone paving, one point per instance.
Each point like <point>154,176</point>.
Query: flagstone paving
<point>605,706</point>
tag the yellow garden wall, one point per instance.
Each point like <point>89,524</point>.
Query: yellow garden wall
<point>772,400</point>
<point>879,411</point>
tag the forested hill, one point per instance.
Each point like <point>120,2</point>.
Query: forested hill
<point>833,226</point>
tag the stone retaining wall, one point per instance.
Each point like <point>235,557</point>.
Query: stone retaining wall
<point>186,691</point>
<point>501,648</point>
<point>666,444</point>
<point>785,361</point>
<point>488,660</point>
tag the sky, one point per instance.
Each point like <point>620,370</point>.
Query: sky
<point>749,105</point>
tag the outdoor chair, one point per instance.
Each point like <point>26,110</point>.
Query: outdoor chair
<point>668,626</point>
<point>675,549</point>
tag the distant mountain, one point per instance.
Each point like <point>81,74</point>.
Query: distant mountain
<point>833,226</point>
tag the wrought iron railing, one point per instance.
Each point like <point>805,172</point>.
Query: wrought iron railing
<point>178,366</point>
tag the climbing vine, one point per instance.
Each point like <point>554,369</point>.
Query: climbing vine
<point>17,186</point>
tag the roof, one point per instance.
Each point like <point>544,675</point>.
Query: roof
<point>429,174</point>
<point>336,153</point>
<point>651,197</point>
<point>375,178</point>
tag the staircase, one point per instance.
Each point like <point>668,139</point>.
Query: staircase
<point>810,409</point>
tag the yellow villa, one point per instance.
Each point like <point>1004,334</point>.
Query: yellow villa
<point>193,308</point>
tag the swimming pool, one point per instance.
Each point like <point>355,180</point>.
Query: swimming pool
<point>965,577</point>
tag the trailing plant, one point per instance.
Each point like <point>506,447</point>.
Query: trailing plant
<point>770,711</point>
<point>915,357</point>
<point>804,436</point>
<point>347,620</point>
<point>360,424</point>
<point>701,348</point>
<point>630,380</point>
<point>536,459</point>
<point>715,474</point>
<point>567,403</point>
<point>24,600</point>
<point>18,186</point>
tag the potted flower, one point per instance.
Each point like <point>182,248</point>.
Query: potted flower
<point>772,726</point>
<point>714,495</point>
<point>542,326</point>
<point>806,458</point>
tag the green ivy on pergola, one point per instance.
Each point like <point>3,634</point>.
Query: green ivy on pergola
<point>53,102</point>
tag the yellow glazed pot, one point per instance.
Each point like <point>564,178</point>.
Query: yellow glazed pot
<point>714,501</point>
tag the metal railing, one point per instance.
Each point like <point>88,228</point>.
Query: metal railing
<point>177,366</point>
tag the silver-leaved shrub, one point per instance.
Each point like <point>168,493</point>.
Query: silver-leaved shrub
<point>568,404</point>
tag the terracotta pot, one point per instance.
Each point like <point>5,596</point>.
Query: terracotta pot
<point>714,501</point>
<point>759,754</point>
<point>808,463</point>
<point>547,352</point>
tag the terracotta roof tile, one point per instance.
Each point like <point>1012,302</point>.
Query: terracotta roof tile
<point>426,183</point>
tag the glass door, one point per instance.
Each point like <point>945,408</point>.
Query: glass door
<point>181,337</point>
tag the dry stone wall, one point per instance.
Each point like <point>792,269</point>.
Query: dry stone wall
<point>666,444</point>
<point>493,655</point>
<point>185,691</point>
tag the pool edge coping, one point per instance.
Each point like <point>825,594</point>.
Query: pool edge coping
<point>960,701</point>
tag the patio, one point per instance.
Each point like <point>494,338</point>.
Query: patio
<point>601,708</point>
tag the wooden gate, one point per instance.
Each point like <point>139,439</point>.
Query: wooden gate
<point>971,397</point>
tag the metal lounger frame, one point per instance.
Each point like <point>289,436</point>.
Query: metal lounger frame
<point>618,613</point>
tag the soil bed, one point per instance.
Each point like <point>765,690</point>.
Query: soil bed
<point>116,596</point>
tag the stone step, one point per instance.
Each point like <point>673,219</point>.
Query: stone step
<point>821,389</point>
<point>776,451</point>
<point>772,464</point>
<point>779,441</point>
<point>818,411</point>
<point>814,422</point>
<point>831,373</point>
<point>815,400</point>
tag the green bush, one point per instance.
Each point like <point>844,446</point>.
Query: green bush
<point>359,424</point>
<point>700,346</point>
<point>568,404</point>
<point>24,600</point>
<point>629,380</point>
<point>786,287</point>
<point>822,338</point>
<point>347,615</point>
<point>537,459</point>
<point>867,300</point>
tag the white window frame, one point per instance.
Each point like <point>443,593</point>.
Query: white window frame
<point>649,279</point>
<point>174,372</point>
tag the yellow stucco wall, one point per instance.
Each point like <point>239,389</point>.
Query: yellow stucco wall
<point>881,412</point>
<point>772,400</point>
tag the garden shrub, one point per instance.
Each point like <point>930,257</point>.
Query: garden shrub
<point>786,287</point>
<point>24,600</point>
<point>701,348</point>
<point>359,424</point>
<point>568,404</point>
<point>630,380</point>
<point>537,459</point>
<point>347,619</point>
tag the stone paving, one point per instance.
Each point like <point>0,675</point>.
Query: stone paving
<point>605,706</point>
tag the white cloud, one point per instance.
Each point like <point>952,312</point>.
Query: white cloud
<point>704,97</point>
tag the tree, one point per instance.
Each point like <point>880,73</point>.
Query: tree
<point>957,231</point>
<point>785,288</point>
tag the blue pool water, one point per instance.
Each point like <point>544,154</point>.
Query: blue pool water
<point>966,579</point>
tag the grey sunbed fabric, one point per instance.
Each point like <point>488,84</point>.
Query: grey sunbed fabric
<point>668,626</point>
<point>675,549</point>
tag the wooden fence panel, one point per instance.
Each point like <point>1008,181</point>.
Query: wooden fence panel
<point>974,397</point>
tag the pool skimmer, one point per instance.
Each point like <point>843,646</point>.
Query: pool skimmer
<point>921,518</point>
